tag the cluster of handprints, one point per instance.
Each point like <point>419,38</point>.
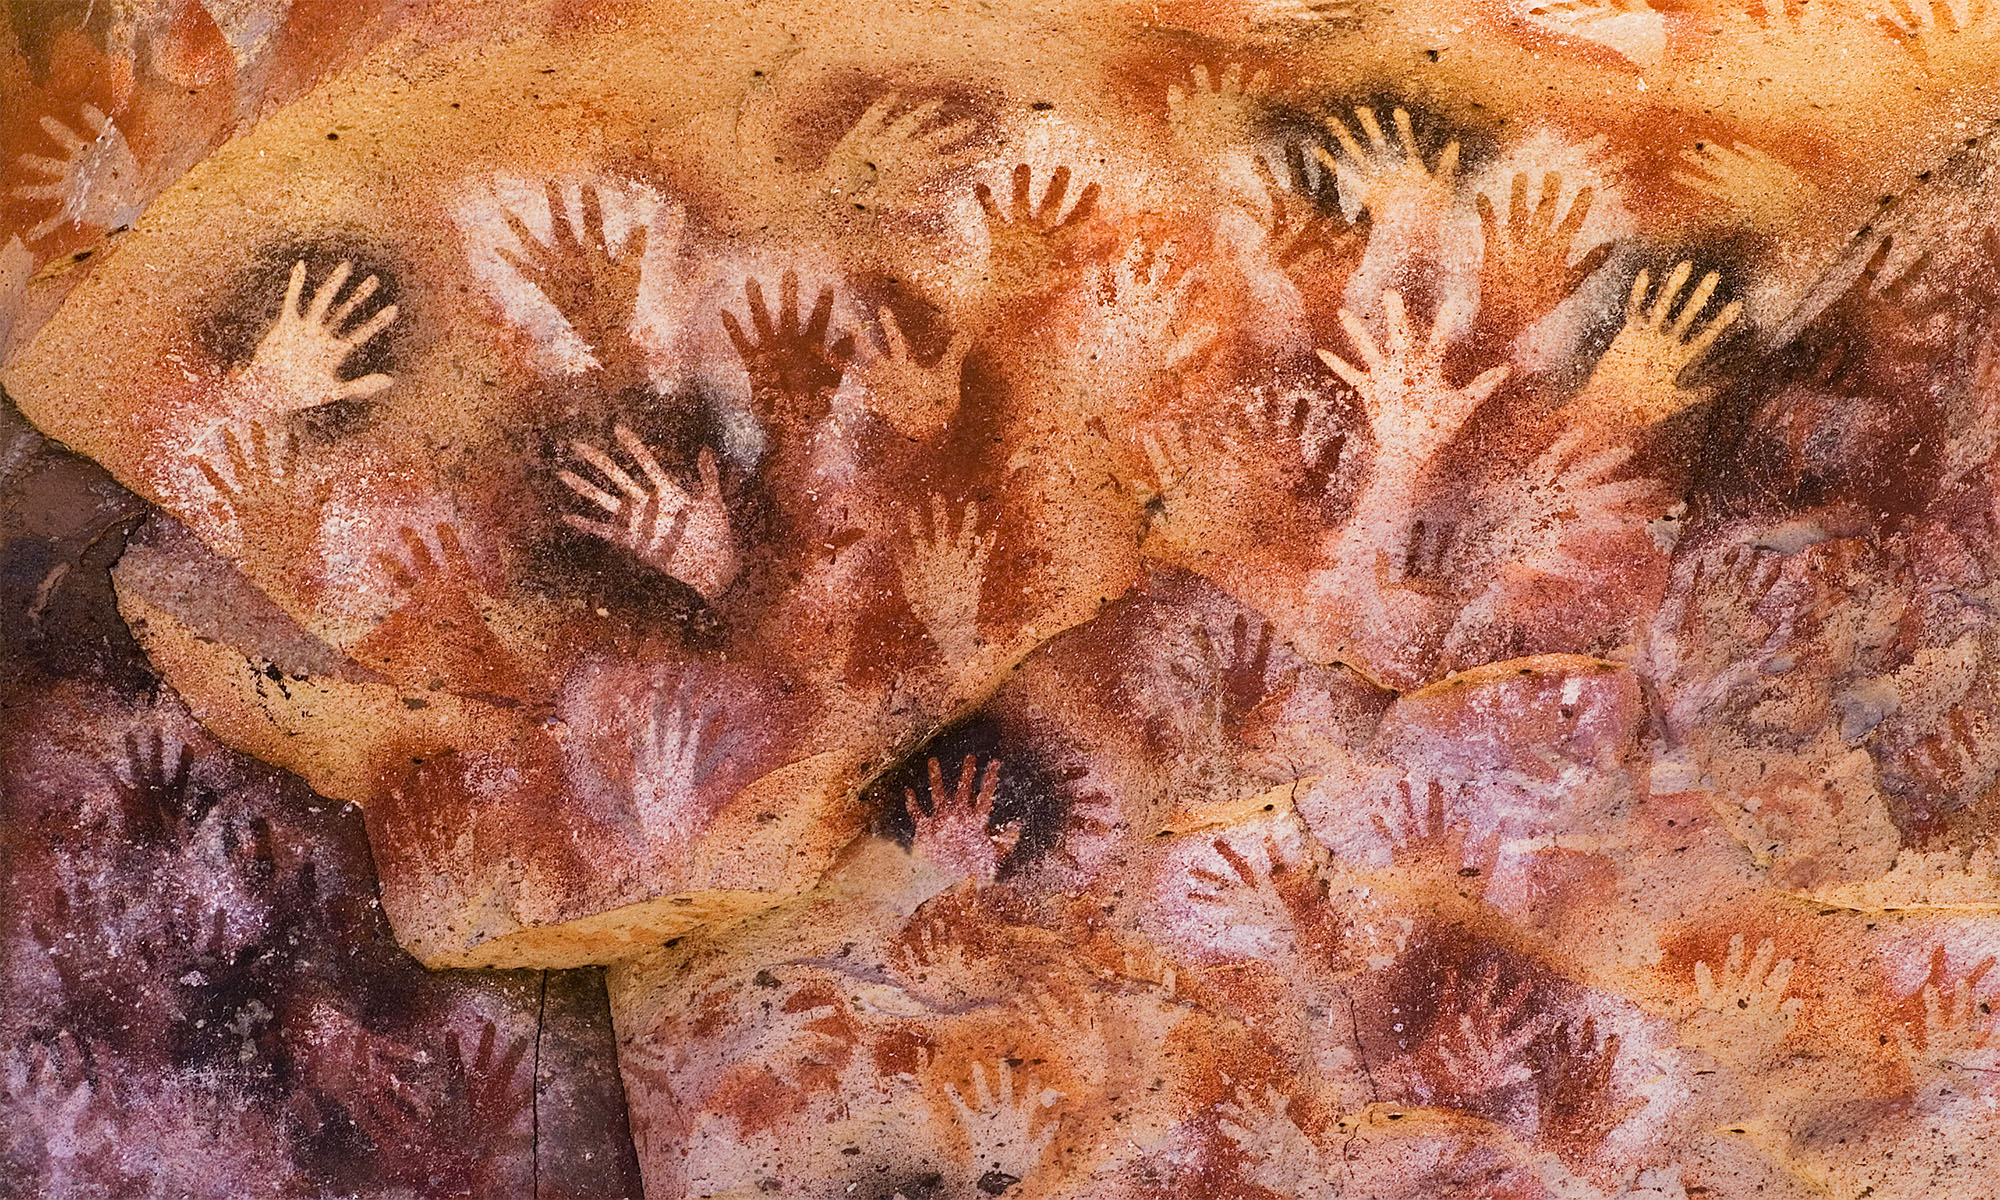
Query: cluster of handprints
<point>1484,474</point>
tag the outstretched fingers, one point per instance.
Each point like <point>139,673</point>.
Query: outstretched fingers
<point>1350,374</point>
<point>1663,300</point>
<point>367,330</point>
<point>1486,383</point>
<point>1517,209</point>
<point>760,313</point>
<point>63,135</point>
<point>1696,301</point>
<point>295,289</point>
<point>1635,298</point>
<point>788,305</point>
<point>1052,197</point>
<point>1364,345</point>
<point>222,486</point>
<point>593,219</point>
<point>362,291</point>
<point>611,470</point>
<point>1396,324</point>
<point>710,473</point>
<point>989,784</point>
<point>744,346</point>
<point>821,316</point>
<point>329,288</point>
<point>1699,344</point>
<point>561,232</point>
<point>1579,212</point>
<point>365,386</point>
<point>1372,128</point>
<point>643,455</point>
<point>1086,203</point>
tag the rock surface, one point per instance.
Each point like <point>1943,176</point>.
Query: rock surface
<point>1074,600</point>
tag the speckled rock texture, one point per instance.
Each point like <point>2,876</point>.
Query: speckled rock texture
<point>1241,599</point>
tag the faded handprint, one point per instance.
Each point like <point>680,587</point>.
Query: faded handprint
<point>488,1088</point>
<point>1161,486</point>
<point>1412,411</point>
<point>1637,381</point>
<point>1706,627</point>
<point>1380,169</point>
<point>1898,299</point>
<point>160,804</point>
<point>1629,27</point>
<point>1009,1127</point>
<point>1944,35</point>
<point>1309,420</point>
<point>1216,112</point>
<point>1278,908</point>
<point>889,151</point>
<point>1578,1104</point>
<point>1283,1159</point>
<point>1072,1019</point>
<point>1956,759</point>
<point>1525,270</point>
<point>1957,1028</point>
<point>95,184</point>
<point>1145,297</point>
<point>1190,480</point>
<point>1230,679</point>
<point>931,953</point>
<point>1222,679</point>
<point>48,1088</point>
<point>593,284</point>
<point>918,398</point>
<point>1576,498</point>
<point>954,829</point>
<point>683,534</point>
<point>451,622</point>
<point>1792,18</point>
<point>794,368</point>
<point>675,752</point>
<point>1742,1013</point>
<point>1762,190</point>
<point>1028,239</point>
<point>1091,827</point>
<point>297,365</point>
<point>196,945</point>
<point>420,573</point>
<point>1306,234</point>
<point>375,1079</point>
<point>1942,723</point>
<point>273,501</point>
<point>1424,835</point>
<point>445,1118</point>
<point>1929,690</point>
<point>1560,533</point>
<point>1468,1061</point>
<point>1146,966</point>
<point>944,574</point>
<point>823,1035</point>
